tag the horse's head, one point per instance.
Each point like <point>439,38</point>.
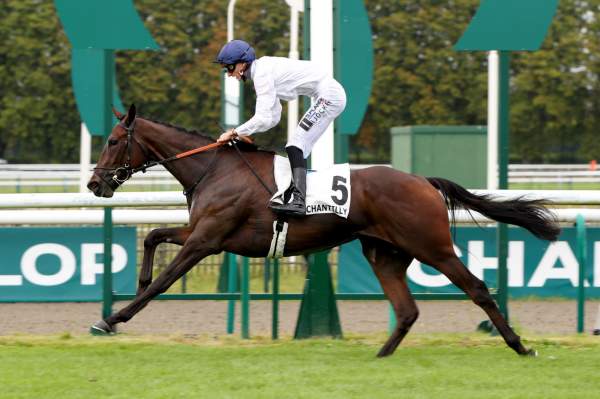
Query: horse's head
<point>121,155</point>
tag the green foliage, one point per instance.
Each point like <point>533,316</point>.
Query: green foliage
<point>418,77</point>
<point>38,116</point>
<point>553,90</point>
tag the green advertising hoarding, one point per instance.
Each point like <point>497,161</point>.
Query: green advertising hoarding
<point>535,267</point>
<point>63,264</point>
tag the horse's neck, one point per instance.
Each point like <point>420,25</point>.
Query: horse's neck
<point>164,142</point>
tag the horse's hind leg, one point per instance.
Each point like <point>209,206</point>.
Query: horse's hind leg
<point>389,265</point>
<point>476,289</point>
<point>174,235</point>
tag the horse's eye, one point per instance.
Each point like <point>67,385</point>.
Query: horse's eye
<point>112,141</point>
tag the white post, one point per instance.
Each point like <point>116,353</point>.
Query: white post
<point>492,123</point>
<point>597,326</point>
<point>230,8</point>
<point>85,151</point>
<point>321,51</point>
<point>232,115</point>
<point>293,105</point>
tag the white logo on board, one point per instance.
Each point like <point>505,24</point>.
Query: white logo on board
<point>90,266</point>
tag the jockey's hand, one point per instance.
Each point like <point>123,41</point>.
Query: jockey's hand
<point>227,136</point>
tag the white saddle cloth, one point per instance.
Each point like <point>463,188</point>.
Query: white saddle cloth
<point>327,191</point>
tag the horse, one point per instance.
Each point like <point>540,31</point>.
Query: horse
<point>396,216</point>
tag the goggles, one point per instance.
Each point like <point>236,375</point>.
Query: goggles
<point>229,68</point>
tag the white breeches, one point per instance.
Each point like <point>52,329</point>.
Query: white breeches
<point>328,104</point>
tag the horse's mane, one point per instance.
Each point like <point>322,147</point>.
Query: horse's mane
<point>241,145</point>
<point>181,129</point>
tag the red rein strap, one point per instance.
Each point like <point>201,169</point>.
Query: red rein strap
<point>198,150</point>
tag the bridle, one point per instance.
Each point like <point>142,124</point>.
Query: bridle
<point>123,173</point>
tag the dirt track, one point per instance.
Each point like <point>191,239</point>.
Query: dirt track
<point>206,317</point>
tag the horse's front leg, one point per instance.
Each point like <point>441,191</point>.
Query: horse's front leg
<point>174,235</point>
<point>199,245</point>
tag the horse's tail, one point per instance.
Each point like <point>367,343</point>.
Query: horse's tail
<point>529,214</point>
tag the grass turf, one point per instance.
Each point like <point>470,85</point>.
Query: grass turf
<point>425,366</point>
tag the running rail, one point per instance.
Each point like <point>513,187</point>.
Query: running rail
<point>181,216</point>
<point>176,198</point>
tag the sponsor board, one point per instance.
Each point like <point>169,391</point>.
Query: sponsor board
<point>535,267</point>
<point>63,264</point>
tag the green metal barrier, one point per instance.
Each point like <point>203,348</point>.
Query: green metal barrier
<point>275,300</point>
<point>232,286</point>
<point>245,302</point>
<point>582,260</point>
<point>107,285</point>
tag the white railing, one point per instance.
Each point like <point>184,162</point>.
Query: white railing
<point>17,208</point>
<point>67,175</point>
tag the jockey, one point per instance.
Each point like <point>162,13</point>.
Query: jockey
<point>276,79</point>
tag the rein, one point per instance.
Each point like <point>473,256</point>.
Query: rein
<point>181,155</point>
<point>252,170</point>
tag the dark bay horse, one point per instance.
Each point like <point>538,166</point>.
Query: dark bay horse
<point>397,217</point>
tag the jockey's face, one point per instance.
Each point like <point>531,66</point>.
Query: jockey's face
<point>236,70</point>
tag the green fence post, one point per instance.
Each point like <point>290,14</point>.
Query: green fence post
<point>503,147</point>
<point>266,275</point>
<point>108,67</point>
<point>245,298</point>
<point>392,320</point>
<point>230,263</point>
<point>275,301</point>
<point>582,260</point>
<point>225,276</point>
<point>107,290</point>
<point>318,311</point>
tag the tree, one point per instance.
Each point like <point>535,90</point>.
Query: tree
<point>38,117</point>
<point>418,77</point>
<point>550,94</point>
<point>590,145</point>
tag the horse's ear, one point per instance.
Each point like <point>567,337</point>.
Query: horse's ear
<point>119,115</point>
<point>130,115</point>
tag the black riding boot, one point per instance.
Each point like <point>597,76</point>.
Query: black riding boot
<point>297,205</point>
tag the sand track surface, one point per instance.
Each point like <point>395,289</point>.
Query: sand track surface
<point>210,317</point>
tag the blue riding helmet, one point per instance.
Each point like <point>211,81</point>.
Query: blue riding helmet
<point>236,51</point>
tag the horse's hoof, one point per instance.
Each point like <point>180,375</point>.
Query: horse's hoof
<point>531,353</point>
<point>384,352</point>
<point>102,328</point>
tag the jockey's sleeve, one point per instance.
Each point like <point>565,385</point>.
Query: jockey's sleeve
<point>268,107</point>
